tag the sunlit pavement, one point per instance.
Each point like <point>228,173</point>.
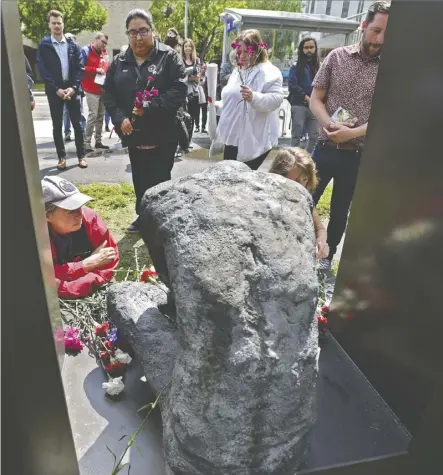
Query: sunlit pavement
<point>106,167</point>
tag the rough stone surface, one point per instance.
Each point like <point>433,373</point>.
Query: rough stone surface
<point>237,248</point>
<point>134,307</point>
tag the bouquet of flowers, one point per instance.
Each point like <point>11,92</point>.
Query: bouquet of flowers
<point>86,325</point>
<point>142,98</point>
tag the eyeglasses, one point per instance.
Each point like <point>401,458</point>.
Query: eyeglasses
<point>141,32</point>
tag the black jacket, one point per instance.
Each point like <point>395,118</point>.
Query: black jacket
<point>158,124</point>
<point>299,87</point>
<point>50,67</point>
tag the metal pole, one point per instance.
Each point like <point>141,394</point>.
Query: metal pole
<point>186,17</point>
<point>225,39</point>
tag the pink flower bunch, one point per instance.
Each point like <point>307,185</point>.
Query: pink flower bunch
<point>251,49</point>
<point>72,340</point>
<point>141,97</point>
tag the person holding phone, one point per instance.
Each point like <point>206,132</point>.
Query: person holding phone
<point>84,253</point>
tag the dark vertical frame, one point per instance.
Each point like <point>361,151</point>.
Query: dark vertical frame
<point>36,432</point>
<point>387,301</point>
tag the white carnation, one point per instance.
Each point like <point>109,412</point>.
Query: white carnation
<point>114,386</point>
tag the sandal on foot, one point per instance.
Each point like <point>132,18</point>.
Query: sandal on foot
<point>61,164</point>
<point>82,163</point>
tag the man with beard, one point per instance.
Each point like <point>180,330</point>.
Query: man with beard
<point>345,84</point>
<point>301,75</point>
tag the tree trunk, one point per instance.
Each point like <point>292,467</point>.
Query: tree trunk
<point>208,43</point>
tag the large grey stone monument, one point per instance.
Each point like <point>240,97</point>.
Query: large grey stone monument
<point>234,329</point>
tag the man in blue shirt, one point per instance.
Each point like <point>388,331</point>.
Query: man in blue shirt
<point>300,80</point>
<point>61,66</point>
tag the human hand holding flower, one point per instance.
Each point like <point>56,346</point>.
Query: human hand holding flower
<point>246,93</point>
<point>139,111</point>
<point>126,127</point>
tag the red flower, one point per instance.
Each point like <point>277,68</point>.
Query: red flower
<point>100,330</point>
<point>210,99</point>
<point>348,315</point>
<point>325,309</point>
<point>115,368</point>
<point>104,356</point>
<point>148,274</point>
<point>322,320</point>
<point>109,345</point>
<point>150,78</point>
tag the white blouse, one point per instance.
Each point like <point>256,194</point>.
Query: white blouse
<point>252,127</point>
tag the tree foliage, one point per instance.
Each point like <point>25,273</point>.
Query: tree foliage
<point>204,25</point>
<point>78,16</point>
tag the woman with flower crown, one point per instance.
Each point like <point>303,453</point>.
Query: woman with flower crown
<point>249,126</point>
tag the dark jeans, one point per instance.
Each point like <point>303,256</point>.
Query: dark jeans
<point>56,107</point>
<point>194,110</point>
<point>231,152</point>
<point>341,166</point>
<point>67,119</point>
<point>204,108</point>
<point>150,167</point>
<point>303,120</point>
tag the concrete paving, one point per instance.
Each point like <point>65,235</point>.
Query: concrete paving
<point>111,167</point>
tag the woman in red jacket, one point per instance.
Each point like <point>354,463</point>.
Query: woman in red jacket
<point>84,252</point>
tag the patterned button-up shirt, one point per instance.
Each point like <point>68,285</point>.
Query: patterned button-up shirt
<point>62,50</point>
<point>349,80</point>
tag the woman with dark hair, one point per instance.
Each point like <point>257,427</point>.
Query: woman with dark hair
<point>144,88</point>
<point>249,124</point>
<point>172,39</point>
<point>193,68</point>
<point>301,76</point>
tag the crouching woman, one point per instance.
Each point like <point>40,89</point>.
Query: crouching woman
<point>84,252</point>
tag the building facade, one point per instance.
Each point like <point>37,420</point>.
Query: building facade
<point>114,28</point>
<point>353,9</point>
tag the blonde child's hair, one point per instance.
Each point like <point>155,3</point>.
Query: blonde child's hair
<point>292,157</point>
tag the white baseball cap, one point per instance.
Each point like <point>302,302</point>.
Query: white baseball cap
<point>62,193</point>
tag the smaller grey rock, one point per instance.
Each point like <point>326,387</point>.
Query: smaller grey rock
<point>134,308</point>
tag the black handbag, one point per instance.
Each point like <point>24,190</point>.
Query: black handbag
<point>183,122</point>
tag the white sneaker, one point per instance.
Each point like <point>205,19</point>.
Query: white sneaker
<point>324,264</point>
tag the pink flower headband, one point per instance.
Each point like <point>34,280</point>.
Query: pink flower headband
<point>251,50</point>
